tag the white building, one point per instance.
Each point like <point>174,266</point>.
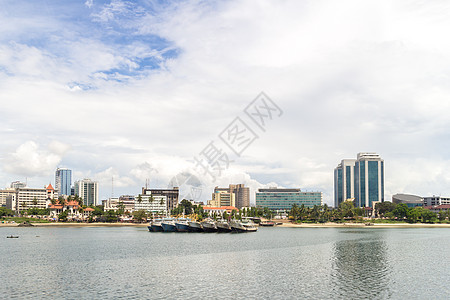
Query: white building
<point>25,198</point>
<point>435,200</point>
<point>87,190</point>
<point>151,203</point>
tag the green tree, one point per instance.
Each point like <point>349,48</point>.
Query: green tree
<point>139,199</point>
<point>120,208</point>
<point>400,211</point>
<point>294,213</point>
<point>413,215</point>
<point>35,201</point>
<point>140,215</point>
<point>5,212</point>
<point>62,217</point>
<point>346,209</point>
<point>111,216</point>
<point>428,216</point>
<point>384,207</point>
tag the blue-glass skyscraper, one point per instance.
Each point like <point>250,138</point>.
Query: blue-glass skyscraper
<point>63,181</point>
<point>360,180</point>
<point>369,179</point>
<point>344,178</point>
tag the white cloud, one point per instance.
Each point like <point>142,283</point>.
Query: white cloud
<point>30,160</point>
<point>350,77</point>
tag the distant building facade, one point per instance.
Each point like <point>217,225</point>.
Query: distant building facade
<point>4,194</point>
<point>25,198</point>
<point>409,200</point>
<point>171,195</point>
<point>236,195</point>
<point>361,179</point>
<point>344,181</point>
<point>435,201</point>
<point>87,190</point>
<point>152,203</point>
<point>63,181</point>
<point>18,184</point>
<point>282,199</point>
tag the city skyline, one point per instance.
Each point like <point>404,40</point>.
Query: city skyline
<point>135,90</point>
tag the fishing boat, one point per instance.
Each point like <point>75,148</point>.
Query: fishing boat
<point>195,226</point>
<point>223,226</point>
<point>243,226</point>
<point>156,226</point>
<point>168,225</point>
<point>12,237</point>
<point>209,226</point>
<point>182,225</point>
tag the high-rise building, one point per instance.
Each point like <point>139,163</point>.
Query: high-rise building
<point>282,199</point>
<point>236,195</point>
<point>369,179</point>
<point>344,179</point>
<point>63,181</point>
<point>171,195</point>
<point>361,180</point>
<point>87,190</point>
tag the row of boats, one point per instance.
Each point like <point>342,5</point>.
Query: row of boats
<point>208,225</point>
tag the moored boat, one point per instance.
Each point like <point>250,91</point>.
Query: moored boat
<point>223,226</point>
<point>239,226</point>
<point>182,225</point>
<point>169,225</point>
<point>195,226</point>
<point>156,226</point>
<point>209,226</point>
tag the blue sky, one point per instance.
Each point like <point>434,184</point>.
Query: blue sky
<point>136,89</point>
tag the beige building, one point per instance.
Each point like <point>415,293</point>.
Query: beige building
<point>236,195</point>
<point>4,194</point>
<point>25,198</point>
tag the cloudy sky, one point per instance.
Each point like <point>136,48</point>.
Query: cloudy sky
<point>136,90</point>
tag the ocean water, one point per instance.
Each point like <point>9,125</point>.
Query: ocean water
<point>273,263</point>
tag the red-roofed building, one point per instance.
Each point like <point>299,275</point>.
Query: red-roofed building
<point>437,208</point>
<point>219,210</point>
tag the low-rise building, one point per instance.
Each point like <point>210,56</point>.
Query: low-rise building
<point>438,208</point>
<point>409,200</point>
<point>435,201</point>
<point>219,211</point>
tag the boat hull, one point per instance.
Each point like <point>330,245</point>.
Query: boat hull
<point>182,227</point>
<point>156,228</point>
<point>195,227</point>
<point>169,227</point>
<point>209,227</point>
<point>223,227</point>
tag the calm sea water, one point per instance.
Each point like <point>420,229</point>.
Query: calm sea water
<point>273,263</point>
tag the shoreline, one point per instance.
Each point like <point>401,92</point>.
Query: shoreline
<point>61,224</point>
<point>284,225</point>
<point>362,225</point>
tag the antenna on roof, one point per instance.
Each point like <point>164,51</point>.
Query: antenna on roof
<point>112,186</point>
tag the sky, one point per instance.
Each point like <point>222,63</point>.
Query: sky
<point>131,93</point>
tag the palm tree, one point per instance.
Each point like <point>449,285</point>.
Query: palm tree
<point>139,199</point>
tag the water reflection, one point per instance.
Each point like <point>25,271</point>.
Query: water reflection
<point>360,266</point>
